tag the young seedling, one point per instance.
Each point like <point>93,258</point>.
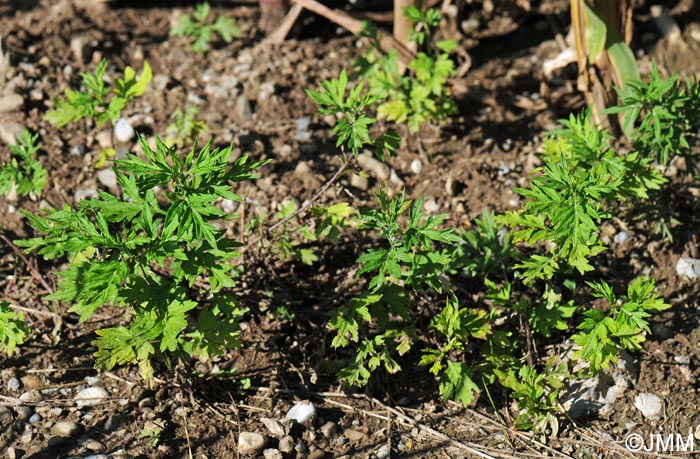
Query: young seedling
<point>185,127</point>
<point>23,173</point>
<point>98,102</point>
<point>422,94</point>
<point>13,329</point>
<point>381,319</point>
<point>200,33</point>
<point>154,250</point>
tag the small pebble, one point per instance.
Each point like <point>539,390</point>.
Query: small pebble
<point>34,418</point>
<point>5,413</point>
<point>329,429</point>
<point>650,405</point>
<point>13,384</point>
<point>688,267</point>
<point>353,435</point>
<point>251,442</point>
<point>383,452</point>
<point>416,166</point>
<point>359,182</point>
<point>374,167</point>
<point>10,103</point>
<point>32,396</point>
<point>621,237</point>
<point>67,429</point>
<point>242,110</point>
<point>107,177</point>
<point>123,132</point>
<point>272,454</point>
<point>24,412</point>
<point>91,396</point>
<point>301,448</point>
<point>431,206</point>
<point>303,412</point>
<point>10,132</point>
<point>93,445</point>
<point>275,428</point>
<point>286,444</point>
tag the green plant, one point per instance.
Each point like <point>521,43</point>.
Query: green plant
<point>623,325</point>
<point>153,436</point>
<point>328,224</point>
<point>13,329</point>
<point>581,181</point>
<point>185,127</point>
<point>23,172</point>
<point>381,320</point>
<point>422,94</point>
<point>457,326</point>
<point>486,250</point>
<point>96,100</point>
<point>352,127</point>
<point>666,112</point>
<point>155,251</point>
<point>537,395</point>
<point>200,32</point>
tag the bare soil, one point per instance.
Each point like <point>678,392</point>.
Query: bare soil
<point>471,162</point>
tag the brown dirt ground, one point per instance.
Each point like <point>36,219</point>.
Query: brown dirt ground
<point>484,152</point>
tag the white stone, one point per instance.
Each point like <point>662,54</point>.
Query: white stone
<point>383,451</point>
<point>12,384</point>
<point>689,267</point>
<point>10,132</point>
<point>395,179</point>
<point>621,237</point>
<point>272,454</point>
<point>107,177</point>
<point>416,166</point>
<point>376,168</point>
<point>251,442</point>
<point>91,396</point>
<point>302,412</point>
<point>123,131</point>
<point>650,405</point>
<point>66,429</point>
<point>431,206</point>
<point>11,102</point>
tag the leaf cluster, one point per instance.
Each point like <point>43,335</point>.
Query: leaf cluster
<point>581,181</point>
<point>96,100</point>
<point>420,95</point>
<point>623,325</point>
<point>13,329</point>
<point>155,250</point>
<point>185,127</point>
<point>352,127</point>
<point>666,116</point>
<point>381,318</point>
<point>200,32</point>
<point>24,171</point>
